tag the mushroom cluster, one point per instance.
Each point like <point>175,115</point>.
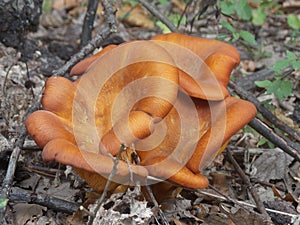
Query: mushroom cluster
<point>165,99</point>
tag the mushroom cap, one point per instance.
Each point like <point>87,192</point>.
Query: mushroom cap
<point>64,152</point>
<point>189,146</point>
<point>204,64</point>
<point>219,60</point>
<point>167,96</point>
<point>219,56</point>
<point>83,65</point>
<point>140,86</point>
<point>53,131</point>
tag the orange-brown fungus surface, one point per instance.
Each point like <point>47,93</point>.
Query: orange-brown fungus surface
<point>166,98</point>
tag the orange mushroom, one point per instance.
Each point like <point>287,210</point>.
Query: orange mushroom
<point>165,96</point>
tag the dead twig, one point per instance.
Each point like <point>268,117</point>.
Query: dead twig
<point>160,212</point>
<point>187,5</point>
<point>267,132</point>
<point>247,83</point>
<point>18,195</point>
<point>158,15</point>
<point>265,112</point>
<point>39,169</point>
<point>110,16</point>
<point>227,198</point>
<point>9,177</point>
<point>278,139</point>
<point>95,42</point>
<point>5,80</point>
<point>108,182</point>
<point>251,188</point>
<point>43,173</point>
<point>245,204</point>
<point>268,184</point>
<point>87,49</point>
<point>87,28</point>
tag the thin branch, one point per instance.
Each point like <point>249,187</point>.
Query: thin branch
<point>108,182</point>
<point>288,146</point>
<point>110,16</point>
<point>158,15</point>
<point>160,212</point>
<point>251,188</point>
<point>248,82</point>
<point>265,112</point>
<point>184,11</point>
<point>95,42</point>
<point>87,49</point>
<point>268,133</point>
<point>9,177</point>
<point>20,195</point>
<point>226,198</point>
<point>88,24</point>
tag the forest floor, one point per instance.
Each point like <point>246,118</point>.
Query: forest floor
<point>58,191</point>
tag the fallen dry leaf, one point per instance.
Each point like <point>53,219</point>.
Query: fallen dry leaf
<point>123,208</point>
<point>31,182</point>
<point>287,197</point>
<point>216,218</point>
<point>135,16</point>
<point>241,216</point>
<point>221,181</point>
<point>278,112</point>
<point>25,212</point>
<point>63,191</point>
<point>272,164</point>
<point>179,4</point>
<point>54,19</point>
<point>264,193</point>
<point>292,181</point>
<point>66,4</point>
<point>282,206</point>
<point>178,209</point>
<point>178,222</point>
